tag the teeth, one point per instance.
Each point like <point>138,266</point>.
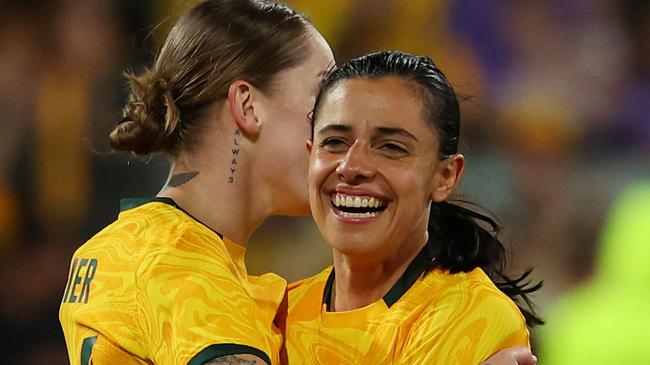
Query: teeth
<point>358,215</point>
<point>341,200</point>
<point>349,202</point>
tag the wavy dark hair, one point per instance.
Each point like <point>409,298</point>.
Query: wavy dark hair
<point>461,236</point>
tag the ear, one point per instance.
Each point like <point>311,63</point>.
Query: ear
<point>308,145</point>
<point>241,104</point>
<point>447,177</point>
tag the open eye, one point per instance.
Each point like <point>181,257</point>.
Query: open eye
<point>334,144</point>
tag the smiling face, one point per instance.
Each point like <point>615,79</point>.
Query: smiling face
<point>374,168</point>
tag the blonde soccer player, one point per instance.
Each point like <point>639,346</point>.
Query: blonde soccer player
<point>227,100</point>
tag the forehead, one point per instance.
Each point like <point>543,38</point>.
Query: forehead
<point>390,101</point>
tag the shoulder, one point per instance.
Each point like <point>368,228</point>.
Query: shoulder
<point>474,294</point>
<point>141,226</point>
<point>173,246</point>
<point>465,306</point>
<point>309,289</point>
<point>470,302</point>
<point>482,295</point>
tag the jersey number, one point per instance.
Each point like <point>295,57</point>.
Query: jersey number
<point>87,349</point>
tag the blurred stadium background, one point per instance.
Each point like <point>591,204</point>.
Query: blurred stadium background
<point>558,126</point>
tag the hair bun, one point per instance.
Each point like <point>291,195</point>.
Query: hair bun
<point>150,118</point>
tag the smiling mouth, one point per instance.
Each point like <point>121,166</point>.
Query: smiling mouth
<point>355,206</point>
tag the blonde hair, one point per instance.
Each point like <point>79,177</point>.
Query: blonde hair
<point>215,43</point>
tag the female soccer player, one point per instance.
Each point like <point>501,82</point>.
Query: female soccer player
<point>411,281</point>
<point>227,100</point>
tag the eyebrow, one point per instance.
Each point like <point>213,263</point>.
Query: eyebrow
<point>398,131</point>
<point>379,130</point>
<point>335,127</point>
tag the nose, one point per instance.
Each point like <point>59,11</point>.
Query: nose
<point>356,166</point>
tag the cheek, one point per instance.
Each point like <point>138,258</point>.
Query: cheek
<point>299,106</point>
<point>315,171</point>
<point>297,125</point>
<point>413,185</point>
<point>319,171</point>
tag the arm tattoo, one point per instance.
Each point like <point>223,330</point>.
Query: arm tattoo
<point>180,179</point>
<point>230,360</point>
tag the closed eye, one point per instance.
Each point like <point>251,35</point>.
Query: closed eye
<point>393,149</point>
<point>334,144</point>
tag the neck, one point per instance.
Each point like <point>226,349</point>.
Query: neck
<point>358,283</point>
<point>228,202</point>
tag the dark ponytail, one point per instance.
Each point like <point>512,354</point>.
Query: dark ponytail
<point>462,239</point>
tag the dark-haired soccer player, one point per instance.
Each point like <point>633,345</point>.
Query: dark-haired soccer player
<point>412,281</point>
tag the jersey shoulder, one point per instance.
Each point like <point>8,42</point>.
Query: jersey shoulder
<point>308,292</point>
<point>472,292</point>
<point>470,307</point>
<point>471,301</point>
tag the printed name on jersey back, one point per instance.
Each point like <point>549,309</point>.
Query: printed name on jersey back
<point>82,271</point>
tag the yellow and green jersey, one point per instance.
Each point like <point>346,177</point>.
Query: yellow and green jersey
<point>425,318</point>
<point>157,286</point>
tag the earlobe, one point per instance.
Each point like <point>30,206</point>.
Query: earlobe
<point>309,146</point>
<point>241,104</point>
<point>448,177</point>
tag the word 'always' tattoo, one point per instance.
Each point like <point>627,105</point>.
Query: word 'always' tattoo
<point>230,360</point>
<point>182,178</point>
<point>235,153</point>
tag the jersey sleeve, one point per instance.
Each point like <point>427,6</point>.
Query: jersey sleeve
<point>465,330</point>
<point>194,307</point>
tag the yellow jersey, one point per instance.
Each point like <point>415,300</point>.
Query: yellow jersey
<point>429,317</point>
<point>157,286</point>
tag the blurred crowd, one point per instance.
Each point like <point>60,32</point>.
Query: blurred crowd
<point>556,123</point>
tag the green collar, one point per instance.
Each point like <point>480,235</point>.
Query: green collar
<point>403,284</point>
<point>130,203</point>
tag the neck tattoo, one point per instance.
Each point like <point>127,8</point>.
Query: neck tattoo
<point>235,153</point>
<point>182,178</point>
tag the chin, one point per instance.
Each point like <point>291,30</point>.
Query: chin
<point>354,247</point>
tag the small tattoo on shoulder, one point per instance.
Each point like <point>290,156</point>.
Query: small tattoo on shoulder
<point>235,152</point>
<point>182,178</point>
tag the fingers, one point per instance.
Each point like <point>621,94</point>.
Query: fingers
<point>523,356</point>
<point>512,356</point>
